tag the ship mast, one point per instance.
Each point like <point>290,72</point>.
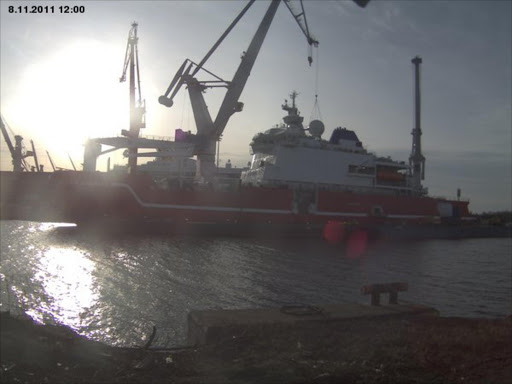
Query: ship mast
<point>293,120</point>
<point>416,159</point>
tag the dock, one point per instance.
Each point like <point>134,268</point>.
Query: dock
<point>217,325</point>
<point>214,326</point>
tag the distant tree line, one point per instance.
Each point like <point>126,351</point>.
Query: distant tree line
<point>495,218</point>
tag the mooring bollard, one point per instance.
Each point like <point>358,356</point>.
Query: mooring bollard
<point>376,289</point>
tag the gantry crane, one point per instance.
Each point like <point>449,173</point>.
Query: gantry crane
<point>137,110</point>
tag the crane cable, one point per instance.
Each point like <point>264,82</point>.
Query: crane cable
<point>183,109</point>
<point>315,113</point>
<point>185,113</point>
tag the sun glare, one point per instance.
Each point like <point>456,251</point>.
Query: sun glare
<point>67,277</point>
<point>69,96</point>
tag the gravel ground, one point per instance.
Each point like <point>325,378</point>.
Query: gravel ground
<point>415,350</point>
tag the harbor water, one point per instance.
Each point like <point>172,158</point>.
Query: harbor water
<point>114,288</point>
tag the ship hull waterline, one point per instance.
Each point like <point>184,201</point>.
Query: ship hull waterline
<point>136,203</point>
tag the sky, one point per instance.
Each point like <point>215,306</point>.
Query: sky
<point>60,79</point>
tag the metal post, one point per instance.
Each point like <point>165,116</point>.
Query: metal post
<point>416,159</point>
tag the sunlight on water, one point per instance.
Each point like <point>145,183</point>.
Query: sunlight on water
<point>44,227</point>
<point>115,289</point>
<point>67,278</point>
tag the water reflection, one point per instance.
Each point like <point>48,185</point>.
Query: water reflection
<point>114,289</point>
<point>66,276</point>
<point>45,227</point>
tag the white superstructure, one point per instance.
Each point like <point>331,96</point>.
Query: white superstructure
<point>286,155</point>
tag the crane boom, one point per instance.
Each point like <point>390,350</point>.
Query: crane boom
<point>226,32</point>
<point>6,137</point>
<point>175,85</point>
<point>230,103</point>
<point>51,161</point>
<point>35,156</point>
<point>71,160</point>
<point>208,130</point>
<point>17,152</point>
<point>301,20</point>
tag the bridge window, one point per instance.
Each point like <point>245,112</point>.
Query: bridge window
<point>361,169</point>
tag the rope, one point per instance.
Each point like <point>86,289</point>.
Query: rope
<point>315,113</point>
<point>189,107</point>
<point>183,109</point>
<point>317,67</point>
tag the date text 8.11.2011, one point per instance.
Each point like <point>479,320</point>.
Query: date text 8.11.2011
<point>47,9</point>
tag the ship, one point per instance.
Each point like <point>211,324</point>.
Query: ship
<point>182,172</point>
<point>297,182</point>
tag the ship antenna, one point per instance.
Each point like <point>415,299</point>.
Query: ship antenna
<point>294,95</point>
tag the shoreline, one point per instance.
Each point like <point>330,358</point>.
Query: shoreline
<point>420,349</point>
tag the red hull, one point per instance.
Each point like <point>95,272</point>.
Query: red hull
<point>84,197</point>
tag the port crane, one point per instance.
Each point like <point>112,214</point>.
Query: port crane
<point>18,152</point>
<point>209,131</point>
<point>137,110</point>
<point>130,138</point>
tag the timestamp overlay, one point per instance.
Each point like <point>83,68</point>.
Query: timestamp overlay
<point>23,8</point>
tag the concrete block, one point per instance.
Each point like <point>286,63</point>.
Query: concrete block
<point>214,326</point>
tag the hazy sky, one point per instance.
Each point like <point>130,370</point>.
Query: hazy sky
<point>60,79</point>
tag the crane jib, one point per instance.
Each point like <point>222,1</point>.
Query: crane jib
<point>208,129</point>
